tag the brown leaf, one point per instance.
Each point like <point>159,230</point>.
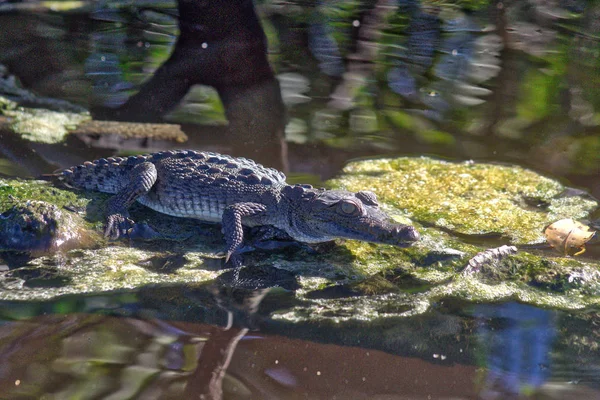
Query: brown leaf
<point>568,236</point>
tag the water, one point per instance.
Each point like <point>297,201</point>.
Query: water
<point>504,82</point>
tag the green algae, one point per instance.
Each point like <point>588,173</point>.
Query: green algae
<point>468,198</point>
<point>40,217</point>
<point>18,192</point>
<point>44,126</point>
<point>94,265</point>
<point>14,191</point>
<point>37,124</point>
<point>94,271</point>
<point>455,200</point>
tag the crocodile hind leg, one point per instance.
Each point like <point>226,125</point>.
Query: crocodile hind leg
<point>232,227</point>
<point>141,180</point>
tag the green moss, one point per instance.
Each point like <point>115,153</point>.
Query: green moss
<point>467,198</point>
<point>44,126</point>
<point>15,191</point>
<point>100,270</point>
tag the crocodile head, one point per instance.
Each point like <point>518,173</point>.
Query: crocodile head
<point>323,215</point>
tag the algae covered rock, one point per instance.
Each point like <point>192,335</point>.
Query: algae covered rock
<point>453,205</point>
<point>51,241</point>
<point>47,121</point>
<point>35,216</point>
<point>37,225</point>
<point>469,198</point>
<point>44,126</point>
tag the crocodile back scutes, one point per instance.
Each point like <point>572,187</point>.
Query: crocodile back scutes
<point>205,168</point>
<point>214,165</point>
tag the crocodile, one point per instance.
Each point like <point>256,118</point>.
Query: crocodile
<point>235,192</point>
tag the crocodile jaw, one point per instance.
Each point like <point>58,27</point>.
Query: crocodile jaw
<point>370,230</point>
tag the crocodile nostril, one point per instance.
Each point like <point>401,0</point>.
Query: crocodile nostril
<point>409,233</point>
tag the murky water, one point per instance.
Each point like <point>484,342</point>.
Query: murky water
<point>513,82</point>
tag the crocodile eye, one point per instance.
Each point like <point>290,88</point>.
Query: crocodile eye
<point>348,208</point>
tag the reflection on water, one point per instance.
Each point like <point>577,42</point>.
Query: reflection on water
<point>506,81</point>
<point>518,341</point>
<point>216,354</point>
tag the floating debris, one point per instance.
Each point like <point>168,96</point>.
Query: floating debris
<point>568,236</point>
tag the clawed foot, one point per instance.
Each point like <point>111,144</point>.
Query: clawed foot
<point>119,226</point>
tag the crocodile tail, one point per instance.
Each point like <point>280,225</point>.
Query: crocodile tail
<point>59,177</point>
<point>93,176</point>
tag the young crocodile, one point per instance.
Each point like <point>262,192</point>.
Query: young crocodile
<point>233,191</point>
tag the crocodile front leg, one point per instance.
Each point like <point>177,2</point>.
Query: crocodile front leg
<point>232,224</point>
<point>141,180</point>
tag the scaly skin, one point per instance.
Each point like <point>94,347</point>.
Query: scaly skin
<point>235,192</point>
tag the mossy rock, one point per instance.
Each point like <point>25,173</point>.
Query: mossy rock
<point>350,280</point>
<point>468,198</point>
<point>44,126</point>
